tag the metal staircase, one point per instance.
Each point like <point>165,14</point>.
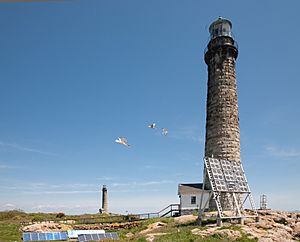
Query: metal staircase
<point>171,210</point>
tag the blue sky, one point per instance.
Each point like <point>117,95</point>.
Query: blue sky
<point>75,75</point>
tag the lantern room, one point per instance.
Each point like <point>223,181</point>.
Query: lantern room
<point>220,27</point>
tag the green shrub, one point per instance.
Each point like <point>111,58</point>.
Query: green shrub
<point>60,215</point>
<point>12,214</point>
<point>186,236</point>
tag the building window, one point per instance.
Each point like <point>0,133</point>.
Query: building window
<point>193,199</point>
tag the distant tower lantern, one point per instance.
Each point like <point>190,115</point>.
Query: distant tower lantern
<point>104,208</point>
<point>222,139</point>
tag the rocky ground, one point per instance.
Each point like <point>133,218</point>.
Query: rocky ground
<point>274,226</point>
<point>46,227</point>
<point>57,227</point>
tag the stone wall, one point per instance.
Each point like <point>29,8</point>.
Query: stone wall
<point>188,211</point>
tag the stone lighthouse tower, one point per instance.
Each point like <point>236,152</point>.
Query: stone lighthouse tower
<point>104,208</point>
<point>222,139</point>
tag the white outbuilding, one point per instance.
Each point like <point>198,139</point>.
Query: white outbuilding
<point>190,197</point>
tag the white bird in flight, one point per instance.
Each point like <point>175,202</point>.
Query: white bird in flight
<point>122,141</point>
<point>164,131</point>
<point>152,126</point>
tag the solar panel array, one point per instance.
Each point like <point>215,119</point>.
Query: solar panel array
<point>74,233</point>
<point>228,176</point>
<point>45,236</point>
<point>97,237</point>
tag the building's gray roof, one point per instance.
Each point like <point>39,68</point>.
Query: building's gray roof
<point>190,188</point>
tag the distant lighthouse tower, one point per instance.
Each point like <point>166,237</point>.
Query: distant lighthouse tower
<point>104,208</point>
<point>222,139</point>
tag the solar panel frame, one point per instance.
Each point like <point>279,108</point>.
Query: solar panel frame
<point>228,176</point>
<point>34,236</point>
<point>48,236</point>
<point>42,236</point>
<point>74,233</point>
<point>81,237</point>
<point>94,237</point>
<point>233,185</point>
<point>89,236</point>
<point>56,236</point>
<point>108,235</point>
<point>64,236</point>
<point>26,237</point>
<point>101,236</point>
<point>115,236</point>
<point>97,237</point>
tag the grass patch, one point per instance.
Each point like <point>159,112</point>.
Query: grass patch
<point>122,233</point>
<point>10,227</point>
<point>231,227</point>
<point>185,235</point>
<point>10,232</point>
<point>13,215</point>
<point>20,216</point>
<point>209,221</point>
<point>244,237</point>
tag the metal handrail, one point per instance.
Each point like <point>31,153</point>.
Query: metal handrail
<point>171,205</point>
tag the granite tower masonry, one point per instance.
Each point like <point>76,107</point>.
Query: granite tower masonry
<point>222,139</point>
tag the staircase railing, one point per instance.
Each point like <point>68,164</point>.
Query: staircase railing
<point>172,210</point>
